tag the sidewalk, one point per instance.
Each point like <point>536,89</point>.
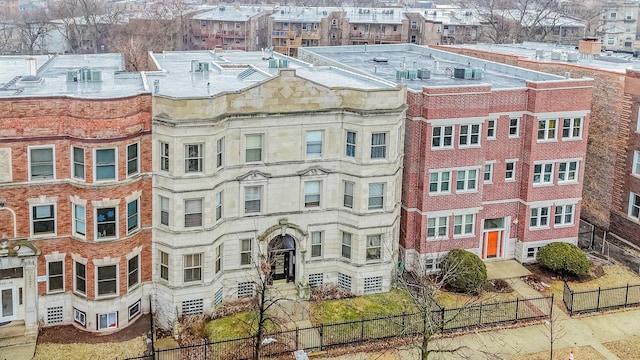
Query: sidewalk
<point>505,343</point>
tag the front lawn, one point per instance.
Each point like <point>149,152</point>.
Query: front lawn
<point>394,302</point>
<point>236,326</point>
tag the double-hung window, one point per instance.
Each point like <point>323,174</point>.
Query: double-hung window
<point>348,194</point>
<point>547,129</point>
<point>543,173</point>
<point>312,194</point>
<point>192,267</point>
<point>133,162</point>
<point>106,223</point>
<point>539,217</point>
<point>491,129</point>
<point>488,173</point>
<point>164,210</point>
<point>514,127</point>
<point>439,182</point>
<point>469,135</point>
<point>133,220</point>
<point>164,156</point>
<point>79,220</point>
<point>164,265</point>
<point>108,321</point>
<point>510,171</point>
<point>43,218</point>
<point>78,163</point>
<point>192,213</point>
<point>219,199</point>
<point>346,245</point>
<point>253,148</point>
<point>437,228</point>
<point>245,252</point>
<point>107,280</point>
<point>350,150</point>
<point>376,196</point>
<point>572,128</point>
<point>316,244</point>
<point>467,180</point>
<point>463,224</point>
<point>193,158</point>
<point>314,144</point>
<point>105,164</point>
<point>80,278</point>
<point>252,199</point>
<point>55,276</point>
<point>374,247</point>
<point>634,206</point>
<point>635,169</point>
<point>442,137</point>
<point>220,152</point>
<point>218,259</point>
<point>378,146</point>
<point>133,271</point>
<point>568,171</point>
<point>564,215</point>
<point>41,163</point>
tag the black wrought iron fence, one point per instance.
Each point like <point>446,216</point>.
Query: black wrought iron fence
<point>600,299</point>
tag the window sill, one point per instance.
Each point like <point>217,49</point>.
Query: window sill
<point>105,239</point>
<point>487,182</point>
<point>55,292</point>
<point>106,297</point>
<point>491,138</point>
<point>572,139</point>
<point>540,185</point>
<point>464,192</point>
<point>79,294</point>
<point>43,236</point>
<point>509,180</point>
<point>514,137</point>
<point>442,148</point>
<point>192,283</point>
<point>567,183</point>
<point>539,228</point>
<point>133,232</point>
<point>474,146</point>
<point>79,237</point>
<point>134,287</point>
<point>373,261</point>
<point>437,239</point>
<point>439,193</point>
<point>542,141</point>
<point>563,226</point>
<point>463,236</point>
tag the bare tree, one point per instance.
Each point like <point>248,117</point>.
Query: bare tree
<point>134,40</point>
<point>7,35</point>
<point>172,18</point>
<point>33,28</point>
<point>491,14</point>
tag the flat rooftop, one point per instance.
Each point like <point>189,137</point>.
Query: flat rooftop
<point>617,62</point>
<point>383,61</point>
<point>60,75</point>
<point>183,74</point>
<point>230,13</point>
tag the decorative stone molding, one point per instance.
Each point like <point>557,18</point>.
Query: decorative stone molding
<point>43,199</point>
<point>253,175</point>
<point>75,199</point>
<point>134,252</point>
<point>133,196</point>
<point>78,258</point>
<point>106,202</point>
<point>55,256</point>
<point>281,228</point>
<point>106,261</point>
<point>315,170</point>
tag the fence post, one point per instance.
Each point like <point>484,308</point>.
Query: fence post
<point>321,335</point>
<point>480,316</point>
<point>297,338</point>
<point>626,296</point>
<point>598,303</point>
<point>442,320</point>
<point>204,349</point>
<point>362,331</point>
<point>517,306</point>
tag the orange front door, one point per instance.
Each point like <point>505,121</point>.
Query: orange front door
<point>492,243</point>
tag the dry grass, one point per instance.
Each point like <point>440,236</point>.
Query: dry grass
<point>581,353</point>
<point>125,349</point>
<point>614,275</point>
<point>625,349</point>
<point>455,300</point>
<point>166,343</point>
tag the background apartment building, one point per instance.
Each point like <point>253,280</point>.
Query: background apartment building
<point>618,25</point>
<point>75,193</point>
<point>270,160</point>
<point>232,28</point>
<point>493,163</point>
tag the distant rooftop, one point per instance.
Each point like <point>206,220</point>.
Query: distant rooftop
<point>611,61</point>
<point>302,14</point>
<point>207,73</point>
<point>384,61</point>
<point>230,13</point>
<point>81,76</point>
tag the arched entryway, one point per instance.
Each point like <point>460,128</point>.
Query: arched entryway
<point>282,257</point>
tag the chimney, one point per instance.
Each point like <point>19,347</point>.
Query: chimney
<point>32,66</point>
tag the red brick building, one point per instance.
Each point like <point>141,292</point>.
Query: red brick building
<point>494,155</point>
<point>75,192</point>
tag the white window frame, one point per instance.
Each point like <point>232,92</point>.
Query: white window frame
<point>312,143</point>
<point>165,156</point>
<point>134,309</point>
<point>635,167</point>
<point>442,136</point>
<point>256,149</point>
<point>379,150</point>
<point>197,159</point>
<point>96,165</point>
<point>372,197</point>
<point>77,220</point>
<point>259,199</point>
<point>136,226</point>
<point>436,178</point>
<point>561,214</point>
<point>219,205</point>
<point>61,275</point>
<point>195,266</point>
<point>218,255</point>
<point>532,252</point>
<point>132,271</point>
<point>487,174</point>
<point>136,159</point>
<point>53,163</point>
<point>344,245</point>
<point>462,223</point>
<point>564,175</point>
<point>97,281</point>
<point>514,128</point>
<point>115,221</point>
<point>348,195</point>
<point>374,246</point>
<point>80,317</point>
<point>220,153</point>
<point>75,162</point>
<point>193,214</point>
<point>538,215</point>
<point>312,193</point>
<point>544,175</point>
<point>350,147</point>
<point>469,182</point>
<point>491,129</point>
<point>53,218</point>
<point>547,130</point>
<point>164,265</point>
<point>164,210</point>
<point>571,128</point>
<point>440,223</point>
<point>76,277</point>
<point>110,325</point>
<point>316,244</point>
<point>246,253</point>
<point>634,206</point>
<point>469,135</point>
<point>511,178</point>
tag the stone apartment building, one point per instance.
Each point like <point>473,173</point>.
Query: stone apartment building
<point>618,24</point>
<point>612,169</point>
<point>75,194</point>
<point>493,164</point>
<point>230,28</point>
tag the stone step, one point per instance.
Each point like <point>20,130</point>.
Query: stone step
<point>13,334</point>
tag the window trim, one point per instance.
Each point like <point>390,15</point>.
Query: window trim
<point>137,159</point>
<point>343,245</point>
<point>382,197</point>
<point>468,136</point>
<point>76,277</point>
<point>261,148</point>
<point>369,247</point>
<point>436,227</point>
<point>199,266</point>
<point>463,224</point>
<point>538,217</point>
<point>512,178</point>
<point>259,199</point>
<point>467,181</point>
<point>61,275</point>
<point>199,158</point>
<point>571,128</point>
<point>108,325</point>
<point>218,253</point>
<point>375,148</point>
<point>543,173</point>
<point>168,211</point>
<point>97,281</point>
<point>546,130</point>
<point>567,171</point>
<point>220,145</point>
<point>634,204</point>
<point>490,172</point>
<point>314,245</point>
<point>635,166</point>
<point>137,216</point>
<point>219,203</point>
<point>116,221</point>
<point>312,195</point>
<point>308,143</point>
<point>130,272</point>
<point>492,128</point>
<point>516,127</point>
<point>74,163</point>
<point>95,164</point>
<point>563,214</point>
<point>53,162</point>
<point>164,265</point>
<point>201,200</point>
<point>351,146</point>
<point>54,219</point>
<point>249,251</point>
<point>439,182</point>
<point>165,156</point>
<point>346,195</point>
<point>442,137</point>
<point>75,220</point>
